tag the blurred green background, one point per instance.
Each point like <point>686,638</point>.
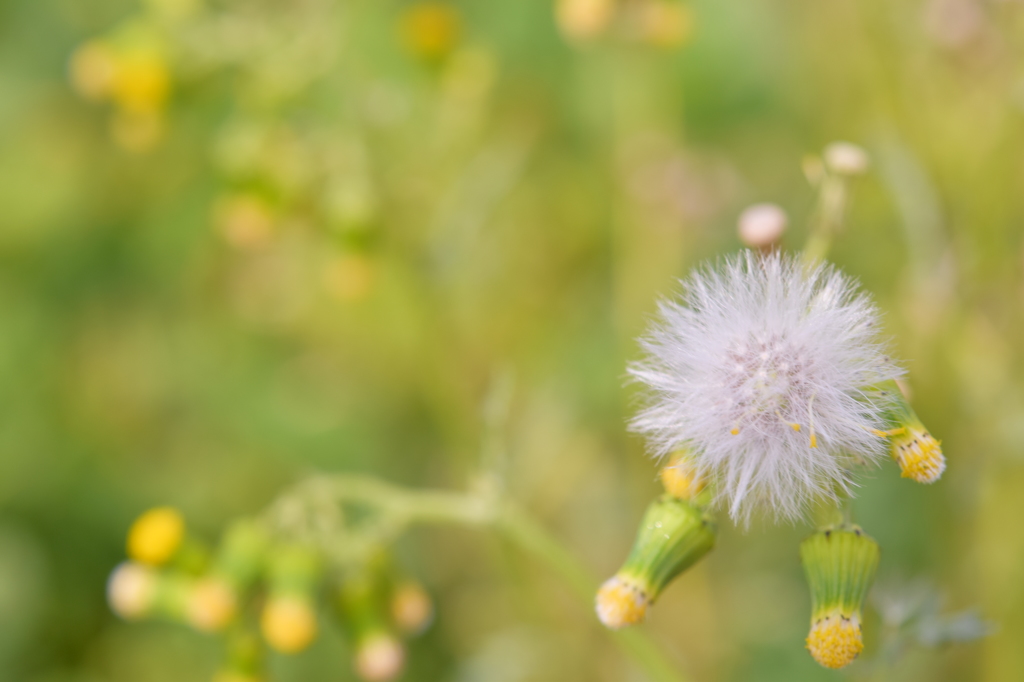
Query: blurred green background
<point>314,235</point>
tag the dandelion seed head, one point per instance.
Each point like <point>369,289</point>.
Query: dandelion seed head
<point>759,370</point>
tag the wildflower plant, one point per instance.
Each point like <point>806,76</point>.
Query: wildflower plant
<point>769,384</point>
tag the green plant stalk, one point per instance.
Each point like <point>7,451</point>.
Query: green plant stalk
<point>405,507</point>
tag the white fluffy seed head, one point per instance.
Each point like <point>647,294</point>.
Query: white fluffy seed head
<point>760,371</point>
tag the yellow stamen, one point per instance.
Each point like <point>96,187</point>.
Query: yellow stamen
<point>735,430</point>
<point>621,602</point>
<point>835,640</point>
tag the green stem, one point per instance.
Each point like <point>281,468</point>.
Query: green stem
<point>404,507</point>
<point>828,219</point>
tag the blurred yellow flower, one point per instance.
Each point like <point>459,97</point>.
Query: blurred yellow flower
<point>93,70</point>
<point>288,623</point>
<point>245,220</point>
<point>666,24</point>
<point>142,80</point>
<point>156,535</point>
<point>431,29</point>
<point>580,20</point>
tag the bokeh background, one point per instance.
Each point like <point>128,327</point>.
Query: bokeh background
<point>316,234</point>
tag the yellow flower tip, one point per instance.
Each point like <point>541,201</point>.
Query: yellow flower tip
<point>288,624</point>
<point>919,456</point>
<point>156,535</point>
<point>431,29</point>
<point>379,658</point>
<point>667,24</point>
<point>211,605</point>
<point>680,480</point>
<point>621,602</point>
<point>92,70</point>
<point>835,640</point>
<point>130,590</point>
<point>580,20</point>
<point>142,82</point>
<point>411,609</point>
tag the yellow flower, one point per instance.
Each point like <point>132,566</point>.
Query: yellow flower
<point>431,29</point>
<point>580,20</point>
<point>156,536</point>
<point>212,604</point>
<point>665,23</point>
<point>142,81</point>
<point>288,623</point>
<point>93,70</point>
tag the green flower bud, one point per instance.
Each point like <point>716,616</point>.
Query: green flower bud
<point>917,452</point>
<point>840,564</point>
<point>674,534</point>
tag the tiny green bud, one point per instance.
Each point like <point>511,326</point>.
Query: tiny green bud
<point>840,563</point>
<point>674,534</point>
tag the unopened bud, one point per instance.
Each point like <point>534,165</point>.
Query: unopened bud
<point>762,225</point>
<point>840,564</point>
<point>679,478</point>
<point>845,158</point>
<point>673,535</point>
<point>917,452</point>
<point>131,590</point>
<point>411,608</point>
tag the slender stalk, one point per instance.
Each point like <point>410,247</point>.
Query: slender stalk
<point>402,507</point>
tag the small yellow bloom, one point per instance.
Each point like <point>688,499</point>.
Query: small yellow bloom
<point>288,623</point>
<point>667,24</point>
<point>142,81</point>
<point>835,640</point>
<point>621,602</point>
<point>156,536</point>
<point>431,29</point>
<point>918,454</point>
<point>93,70</point>
<point>580,20</point>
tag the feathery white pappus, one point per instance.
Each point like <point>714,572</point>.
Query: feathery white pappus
<point>759,370</point>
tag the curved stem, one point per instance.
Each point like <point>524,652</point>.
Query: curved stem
<point>404,507</point>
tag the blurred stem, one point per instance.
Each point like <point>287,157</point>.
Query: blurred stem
<point>483,507</point>
<point>828,218</point>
